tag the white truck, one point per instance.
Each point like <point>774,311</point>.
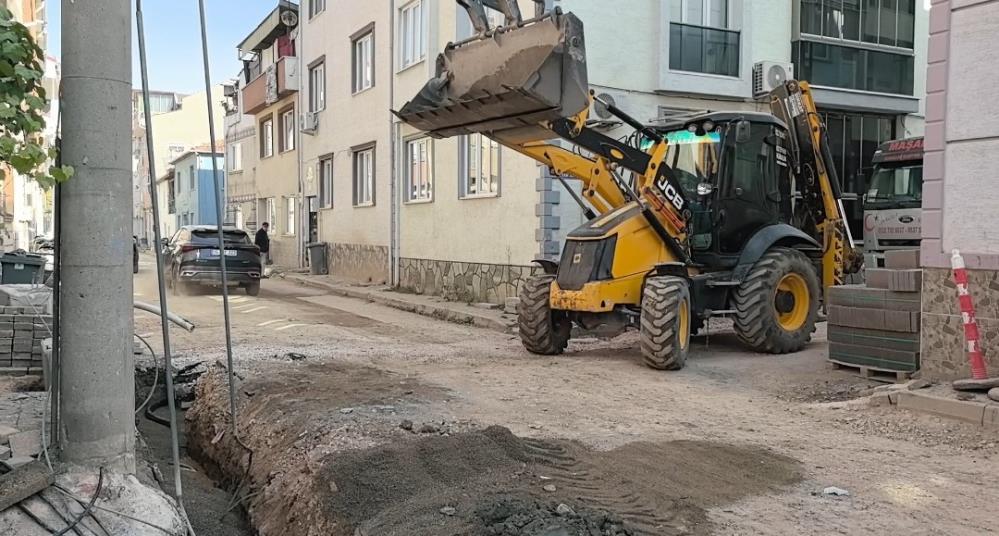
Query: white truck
<point>894,200</point>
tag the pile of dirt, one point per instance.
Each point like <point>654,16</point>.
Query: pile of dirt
<point>492,482</point>
<point>509,516</point>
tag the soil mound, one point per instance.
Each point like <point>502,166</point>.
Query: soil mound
<point>491,482</point>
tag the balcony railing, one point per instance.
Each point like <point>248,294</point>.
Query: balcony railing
<point>274,83</point>
<point>699,49</point>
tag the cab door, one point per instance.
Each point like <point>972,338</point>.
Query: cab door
<point>748,195</point>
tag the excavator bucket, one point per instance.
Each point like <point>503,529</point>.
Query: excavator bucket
<point>506,82</point>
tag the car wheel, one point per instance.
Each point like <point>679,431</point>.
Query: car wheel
<point>253,289</point>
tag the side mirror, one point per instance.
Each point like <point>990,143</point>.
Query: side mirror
<point>165,242</point>
<point>742,131</point>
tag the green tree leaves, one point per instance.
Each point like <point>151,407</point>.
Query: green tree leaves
<point>23,102</point>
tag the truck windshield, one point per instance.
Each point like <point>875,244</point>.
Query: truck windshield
<point>896,187</point>
<point>693,158</point>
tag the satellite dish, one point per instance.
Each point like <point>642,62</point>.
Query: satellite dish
<point>601,110</point>
<point>776,75</point>
<point>289,18</point>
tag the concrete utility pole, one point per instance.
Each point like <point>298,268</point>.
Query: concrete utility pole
<point>97,426</point>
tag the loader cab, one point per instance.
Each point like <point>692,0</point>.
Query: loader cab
<point>733,168</point>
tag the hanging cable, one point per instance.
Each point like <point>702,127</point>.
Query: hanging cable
<point>230,369</point>
<point>90,505</point>
<point>218,215</point>
<point>161,284</point>
<point>156,373</point>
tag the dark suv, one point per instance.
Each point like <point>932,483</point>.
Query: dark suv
<point>192,257</point>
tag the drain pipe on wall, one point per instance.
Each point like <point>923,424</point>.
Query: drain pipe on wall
<point>303,215</point>
<point>395,191</point>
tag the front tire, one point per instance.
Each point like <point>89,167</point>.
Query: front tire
<point>542,330</point>
<point>664,332</point>
<point>777,304</point>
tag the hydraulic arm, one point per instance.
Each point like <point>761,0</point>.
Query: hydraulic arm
<point>816,178</point>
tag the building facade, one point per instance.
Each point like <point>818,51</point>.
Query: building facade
<point>26,206</point>
<point>959,188</point>
<point>175,132</point>
<point>464,217</point>
<point>241,159</point>
<point>159,102</point>
<point>194,186</point>
<point>269,94</point>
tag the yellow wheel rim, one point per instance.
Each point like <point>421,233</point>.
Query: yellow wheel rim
<point>684,326</point>
<point>792,302</point>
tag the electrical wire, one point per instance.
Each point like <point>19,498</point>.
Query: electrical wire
<point>114,512</point>
<point>156,373</point>
<point>161,284</point>
<point>62,516</point>
<point>90,506</point>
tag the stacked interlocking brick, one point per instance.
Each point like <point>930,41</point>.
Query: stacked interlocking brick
<point>876,326</point>
<point>22,331</point>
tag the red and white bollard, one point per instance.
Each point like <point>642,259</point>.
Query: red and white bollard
<point>971,337</point>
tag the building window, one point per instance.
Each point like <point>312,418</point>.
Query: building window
<point>179,182</point>
<point>877,22</point>
<point>700,38</point>
<point>364,61</point>
<point>289,212</point>
<point>326,182</point>
<point>192,177</point>
<point>271,211</point>
<point>419,170</point>
<point>850,67</point>
<point>364,177</point>
<point>480,166</point>
<point>317,87</point>
<point>267,138</point>
<point>236,156</point>
<point>316,7</point>
<point>412,36</point>
<point>286,139</point>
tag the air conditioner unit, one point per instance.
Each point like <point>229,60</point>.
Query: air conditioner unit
<point>310,122</point>
<point>768,75</point>
<point>600,116</point>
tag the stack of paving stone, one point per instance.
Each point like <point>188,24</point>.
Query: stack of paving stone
<point>21,334</point>
<point>874,328</point>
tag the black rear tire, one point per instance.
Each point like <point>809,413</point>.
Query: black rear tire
<point>542,330</point>
<point>664,332</point>
<point>253,289</point>
<point>758,303</point>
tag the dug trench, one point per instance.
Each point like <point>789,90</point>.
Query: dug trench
<point>337,449</point>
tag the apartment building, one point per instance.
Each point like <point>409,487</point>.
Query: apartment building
<point>241,158</point>
<point>269,94</point>
<point>194,186</point>
<point>26,207</point>
<point>464,217</point>
<point>178,127</point>
<point>159,102</point>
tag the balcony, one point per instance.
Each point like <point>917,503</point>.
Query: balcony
<point>276,82</point>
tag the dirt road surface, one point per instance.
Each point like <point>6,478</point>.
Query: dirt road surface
<point>366,420</point>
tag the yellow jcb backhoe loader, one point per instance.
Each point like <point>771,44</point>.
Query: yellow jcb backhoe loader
<point>726,213</point>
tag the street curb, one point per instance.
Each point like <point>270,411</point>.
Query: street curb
<point>980,413</point>
<point>432,311</point>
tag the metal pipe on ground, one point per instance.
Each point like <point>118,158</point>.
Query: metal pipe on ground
<point>173,317</point>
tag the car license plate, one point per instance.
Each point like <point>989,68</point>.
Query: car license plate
<point>228,252</point>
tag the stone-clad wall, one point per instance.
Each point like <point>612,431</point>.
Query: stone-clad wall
<point>463,281</point>
<point>359,262</point>
<point>943,356</point>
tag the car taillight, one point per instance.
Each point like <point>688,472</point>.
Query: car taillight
<point>186,248</point>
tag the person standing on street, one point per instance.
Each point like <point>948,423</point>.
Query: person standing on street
<point>263,241</point>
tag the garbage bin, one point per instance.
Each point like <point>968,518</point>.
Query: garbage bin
<point>21,268</point>
<point>317,258</point>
